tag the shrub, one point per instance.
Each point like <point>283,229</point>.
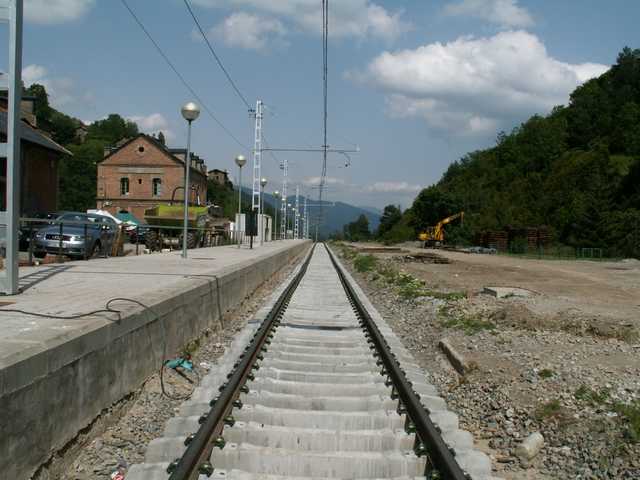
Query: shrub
<point>364,263</point>
<point>630,414</point>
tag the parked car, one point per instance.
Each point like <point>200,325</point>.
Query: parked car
<point>28,229</point>
<point>136,233</point>
<point>85,232</point>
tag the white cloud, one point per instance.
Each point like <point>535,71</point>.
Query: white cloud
<point>55,11</point>
<point>393,187</point>
<point>247,30</point>
<point>62,91</point>
<point>33,74</point>
<point>505,13</point>
<point>347,18</point>
<point>472,85</point>
<point>315,181</point>
<point>153,124</point>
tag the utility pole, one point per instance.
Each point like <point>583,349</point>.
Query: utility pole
<point>325,81</point>
<point>257,164</point>
<point>11,12</point>
<point>305,230</point>
<point>283,225</point>
<point>296,217</point>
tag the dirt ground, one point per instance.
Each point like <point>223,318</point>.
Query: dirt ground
<point>596,288</point>
<point>564,360</point>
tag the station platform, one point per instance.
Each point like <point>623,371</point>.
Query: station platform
<point>57,374</point>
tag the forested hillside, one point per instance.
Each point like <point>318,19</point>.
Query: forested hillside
<point>576,171</point>
<point>78,172</point>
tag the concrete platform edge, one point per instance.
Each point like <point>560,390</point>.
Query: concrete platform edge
<point>59,387</point>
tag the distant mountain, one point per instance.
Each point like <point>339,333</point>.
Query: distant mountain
<point>374,210</point>
<point>342,213</point>
<point>336,215</point>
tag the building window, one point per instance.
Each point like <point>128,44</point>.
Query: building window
<point>124,186</point>
<point>156,187</point>
<point>139,181</point>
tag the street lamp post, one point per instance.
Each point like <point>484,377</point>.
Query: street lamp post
<point>289,209</point>
<point>190,112</point>
<point>276,195</point>
<point>240,161</point>
<point>263,183</point>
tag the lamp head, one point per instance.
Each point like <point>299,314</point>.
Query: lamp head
<point>190,111</point>
<point>241,161</point>
<point>263,182</point>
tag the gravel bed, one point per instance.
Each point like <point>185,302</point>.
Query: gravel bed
<point>525,378</point>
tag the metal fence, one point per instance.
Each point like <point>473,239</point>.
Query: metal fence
<point>561,252</point>
<point>39,237</point>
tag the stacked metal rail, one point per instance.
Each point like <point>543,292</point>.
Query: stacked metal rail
<point>322,390</point>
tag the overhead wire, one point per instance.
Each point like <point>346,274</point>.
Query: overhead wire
<point>181,77</point>
<point>230,79</point>
<point>225,71</point>
<point>215,55</point>
<point>325,70</point>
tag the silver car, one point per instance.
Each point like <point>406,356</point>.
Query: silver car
<point>84,233</point>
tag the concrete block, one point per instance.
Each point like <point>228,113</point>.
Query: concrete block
<point>531,446</point>
<point>507,292</point>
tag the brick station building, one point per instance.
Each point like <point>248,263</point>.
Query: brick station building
<point>141,172</point>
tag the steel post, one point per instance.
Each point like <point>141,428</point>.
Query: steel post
<point>12,83</point>
<point>187,167</point>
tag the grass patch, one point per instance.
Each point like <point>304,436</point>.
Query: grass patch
<point>546,373</point>
<point>388,272</point>
<point>590,396</point>
<point>451,296</point>
<point>408,286</point>
<point>469,324</point>
<point>630,416</point>
<point>364,263</point>
<point>552,408</point>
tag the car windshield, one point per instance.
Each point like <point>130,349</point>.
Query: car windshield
<point>77,217</point>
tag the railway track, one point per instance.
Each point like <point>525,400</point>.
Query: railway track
<point>315,386</point>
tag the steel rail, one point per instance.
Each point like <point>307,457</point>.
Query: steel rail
<point>195,460</point>
<point>428,435</point>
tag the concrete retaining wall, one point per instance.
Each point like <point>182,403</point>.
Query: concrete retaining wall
<point>50,397</point>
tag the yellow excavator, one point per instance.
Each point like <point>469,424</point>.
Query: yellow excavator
<point>434,236</point>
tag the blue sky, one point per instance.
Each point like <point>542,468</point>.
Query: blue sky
<point>416,84</point>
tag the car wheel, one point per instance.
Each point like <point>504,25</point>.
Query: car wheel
<point>152,240</point>
<point>95,250</point>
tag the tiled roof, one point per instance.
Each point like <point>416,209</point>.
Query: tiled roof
<point>31,135</point>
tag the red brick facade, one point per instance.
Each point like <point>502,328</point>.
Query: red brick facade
<point>143,173</point>
<point>221,177</point>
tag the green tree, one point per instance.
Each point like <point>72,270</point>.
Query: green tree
<point>432,205</point>
<point>576,171</point>
<point>63,128</point>
<point>112,129</point>
<point>78,176</point>
<point>42,109</point>
<point>390,216</point>
<point>358,230</point>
